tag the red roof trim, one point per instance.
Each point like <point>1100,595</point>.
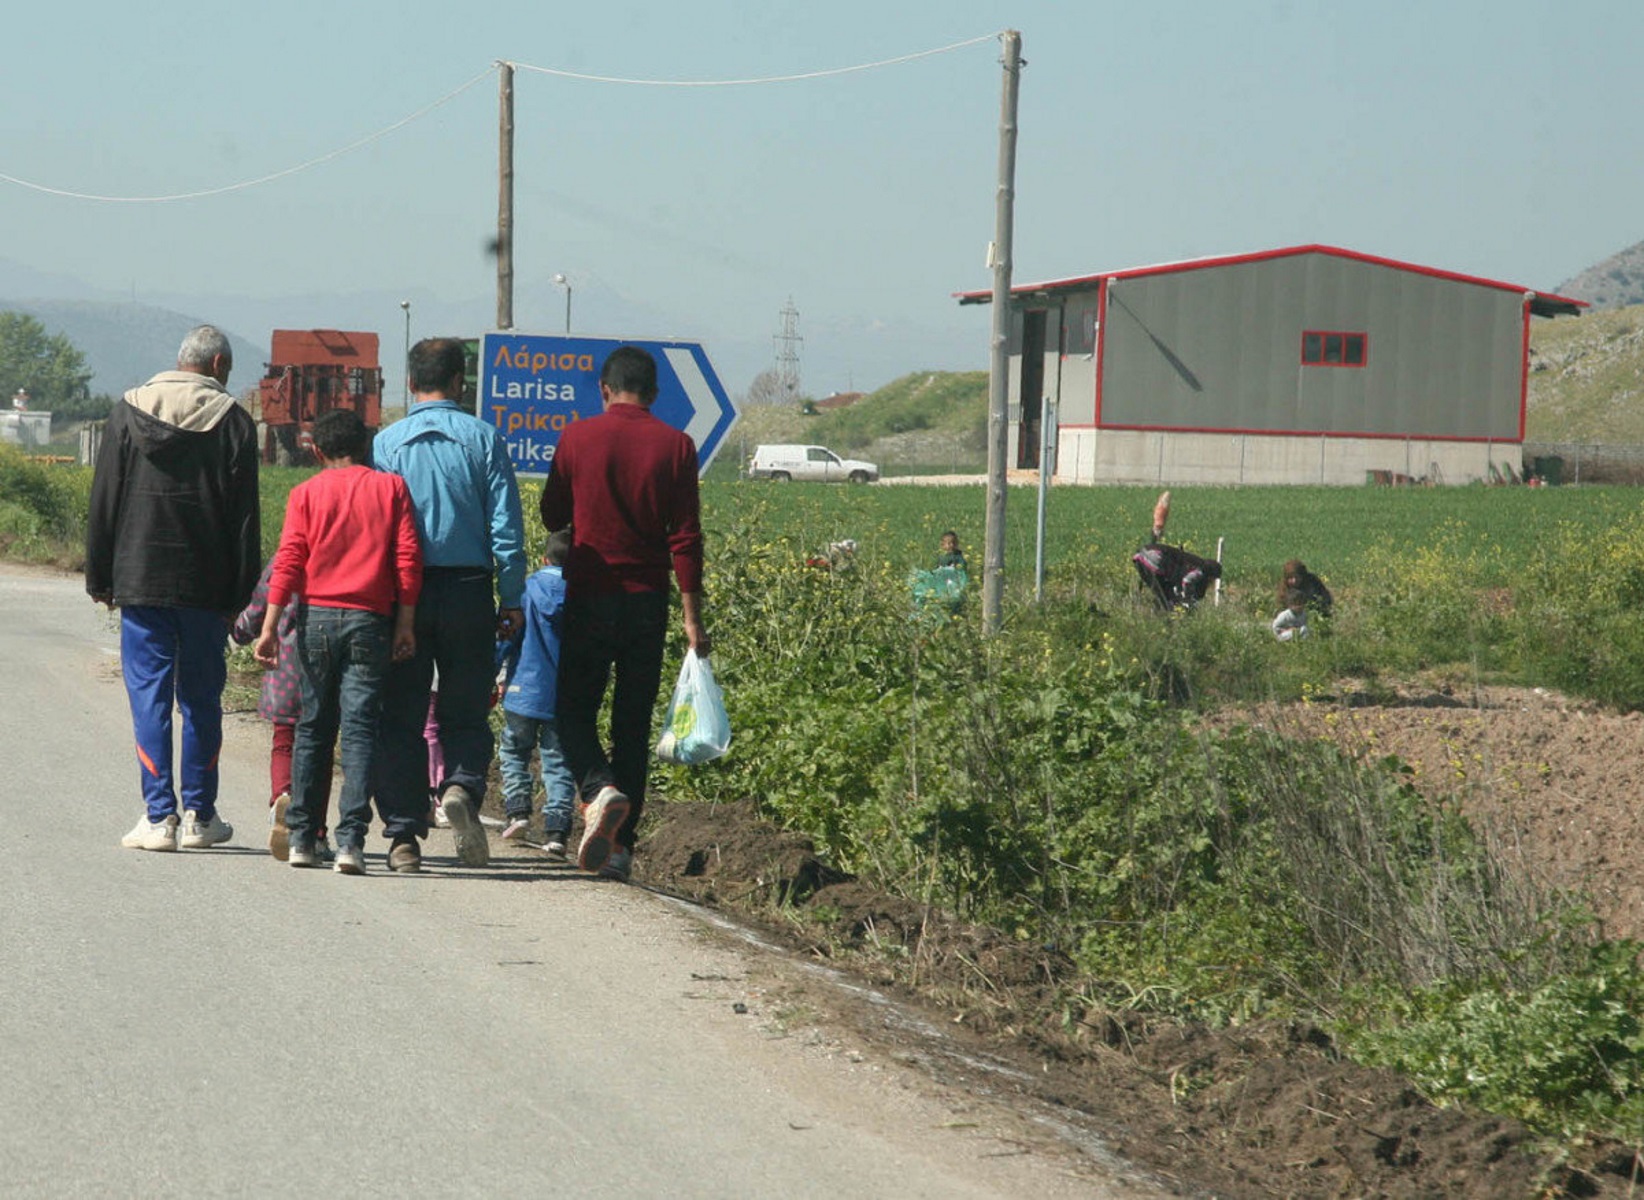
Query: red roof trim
<point>1227,260</point>
<point>1524,378</point>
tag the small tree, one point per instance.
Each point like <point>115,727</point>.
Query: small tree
<point>48,365</point>
<point>81,408</point>
<point>766,388</point>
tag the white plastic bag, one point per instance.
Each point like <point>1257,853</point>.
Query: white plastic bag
<point>697,728</point>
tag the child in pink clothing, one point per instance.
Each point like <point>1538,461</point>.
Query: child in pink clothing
<point>436,759</point>
<point>279,702</point>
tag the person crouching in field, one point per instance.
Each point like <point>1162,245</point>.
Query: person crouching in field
<point>350,548</point>
<point>1297,578</point>
<point>1174,577</point>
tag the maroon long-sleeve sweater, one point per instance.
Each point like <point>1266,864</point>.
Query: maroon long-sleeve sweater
<point>626,483</point>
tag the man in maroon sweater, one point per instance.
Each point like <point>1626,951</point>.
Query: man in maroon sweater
<point>626,484</point>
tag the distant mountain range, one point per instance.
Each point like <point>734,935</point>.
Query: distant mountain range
<point>1614,283</point>
<point>125,344</point>
<point>126,338</point>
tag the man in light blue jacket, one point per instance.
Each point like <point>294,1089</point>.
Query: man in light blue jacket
<point>468,519</point>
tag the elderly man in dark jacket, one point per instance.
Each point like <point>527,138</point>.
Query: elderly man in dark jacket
<point>173,540</point>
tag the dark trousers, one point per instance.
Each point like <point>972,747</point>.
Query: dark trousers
<point>175,655</point>
<point>456,630</point>
<point>624,634</point>
<point>344,655</point>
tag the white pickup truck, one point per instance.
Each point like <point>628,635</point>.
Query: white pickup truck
<point>786,462</point>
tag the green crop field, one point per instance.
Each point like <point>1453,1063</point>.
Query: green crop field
<point>1091,532</point>
<point>1332,529</point>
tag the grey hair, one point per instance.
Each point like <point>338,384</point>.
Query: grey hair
<point>202,344</point>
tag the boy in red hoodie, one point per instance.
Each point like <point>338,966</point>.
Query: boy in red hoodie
<point>349,547</point>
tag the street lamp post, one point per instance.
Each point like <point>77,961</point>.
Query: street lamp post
<point>561,281</point>
<point>405,398</point>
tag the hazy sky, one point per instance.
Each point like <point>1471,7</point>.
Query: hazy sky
<point>1497,138</point>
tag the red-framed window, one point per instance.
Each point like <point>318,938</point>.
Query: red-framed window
<point>1334,348</point>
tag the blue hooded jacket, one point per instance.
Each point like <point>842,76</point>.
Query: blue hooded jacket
<point>533,660</point>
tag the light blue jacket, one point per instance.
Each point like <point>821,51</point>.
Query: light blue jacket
<point>463,489</point>
<point>533,660</point>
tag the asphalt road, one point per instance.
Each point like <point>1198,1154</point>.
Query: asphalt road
<point>214,1023</point>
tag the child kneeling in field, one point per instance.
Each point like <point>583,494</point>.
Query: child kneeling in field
<point>1291,623</point>
<point>350,548</point>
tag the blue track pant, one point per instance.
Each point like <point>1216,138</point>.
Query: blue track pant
<point>166,655</point>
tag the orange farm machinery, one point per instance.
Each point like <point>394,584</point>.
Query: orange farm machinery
<point>313,372</point>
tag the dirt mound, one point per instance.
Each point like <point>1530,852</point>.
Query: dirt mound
<point>726,854</point>
<point>1556,779</point>
<point>1267,1109</point>
<point>1273,1110</point>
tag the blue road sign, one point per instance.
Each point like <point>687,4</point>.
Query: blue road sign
<point>532,386</point>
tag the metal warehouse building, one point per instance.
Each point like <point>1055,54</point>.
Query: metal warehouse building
<point>1310,364</point>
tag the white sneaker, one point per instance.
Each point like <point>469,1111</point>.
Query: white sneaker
<point>152,835</point>
<point>279,840</point>
<point>197,834</point>
<point>473,849</point>
<point>600,822</point>
<point>516,829</point>
<point>302,854</point>
<point>350,861</point>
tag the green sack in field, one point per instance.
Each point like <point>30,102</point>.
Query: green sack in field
<point>944,587</point>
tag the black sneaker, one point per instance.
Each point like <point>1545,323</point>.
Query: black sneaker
<point>404,855</point>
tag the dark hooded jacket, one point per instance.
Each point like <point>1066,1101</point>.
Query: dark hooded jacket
<point>175,520</point>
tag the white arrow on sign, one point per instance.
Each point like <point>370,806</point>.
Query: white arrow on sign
<point>704,404</point>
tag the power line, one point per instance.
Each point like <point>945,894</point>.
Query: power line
<point>249,183</point>
<point>693,83</point>
<point>454,93</point>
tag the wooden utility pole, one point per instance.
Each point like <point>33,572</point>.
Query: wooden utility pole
<point>505,199</point>
<point>993,561</point>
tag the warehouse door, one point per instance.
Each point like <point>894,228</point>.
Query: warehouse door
<point>1032,389</point>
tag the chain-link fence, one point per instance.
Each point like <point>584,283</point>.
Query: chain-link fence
<point>1584,462</point>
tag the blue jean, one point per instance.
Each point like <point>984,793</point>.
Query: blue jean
<point>343,654</point>
<point>166,655</point>
<point>622,635</point>
<point>520,734</point>
<point>456,628</point>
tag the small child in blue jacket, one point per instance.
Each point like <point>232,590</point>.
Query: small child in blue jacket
<point>528,700</point>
